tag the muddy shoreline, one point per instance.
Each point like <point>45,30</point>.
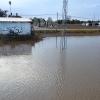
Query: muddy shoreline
<point>39,36</point>
<point>25,39</point>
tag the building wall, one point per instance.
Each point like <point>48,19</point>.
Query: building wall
<point>16,27</point>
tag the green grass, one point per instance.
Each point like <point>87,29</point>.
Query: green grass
<point>83,31</point>
<point>68,31</point>
<point>1,37</point>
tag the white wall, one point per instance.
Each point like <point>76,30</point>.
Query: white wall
<point>17,27</point>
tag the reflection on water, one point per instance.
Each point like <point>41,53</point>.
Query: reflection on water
<point>49,73</point>
<point>16,49</point>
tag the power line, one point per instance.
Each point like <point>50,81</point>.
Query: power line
<point>39,15</point>
<point>61,15</point>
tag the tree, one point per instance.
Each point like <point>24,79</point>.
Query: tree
<point>36,21</point>
<point>3,13</point>
<point>89,21</point>
<point>49,19</point>
<point>49,22</point>
<point>42,22</point>
<point>59,21</point>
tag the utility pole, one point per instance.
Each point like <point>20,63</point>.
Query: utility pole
<point>93,21</point>
<point>94,16</point>
<point>10,6</point>
<point>57,23</point>
<point>64,23</point>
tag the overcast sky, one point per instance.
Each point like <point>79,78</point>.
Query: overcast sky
<point>79,8</point>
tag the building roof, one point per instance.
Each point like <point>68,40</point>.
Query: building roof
<point>13,19</point>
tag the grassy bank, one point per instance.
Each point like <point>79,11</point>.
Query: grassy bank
<point>69,32</point>
<point>12,38</point>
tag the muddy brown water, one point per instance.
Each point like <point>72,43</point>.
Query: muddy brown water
<point>45,72</point>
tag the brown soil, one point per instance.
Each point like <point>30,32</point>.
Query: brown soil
<point>69,34</point>
<point>78,26</point>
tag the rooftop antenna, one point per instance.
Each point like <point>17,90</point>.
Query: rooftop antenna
<point>10,6</point>
<point>64,23</point>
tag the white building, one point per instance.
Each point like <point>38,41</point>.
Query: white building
<point>10,25</point>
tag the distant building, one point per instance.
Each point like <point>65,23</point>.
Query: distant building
<point>93,23</point>
<point>87,24</point>
<point>99,24</point>
<point>12,25</point>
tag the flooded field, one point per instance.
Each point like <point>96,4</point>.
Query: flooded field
<point>45,72</point>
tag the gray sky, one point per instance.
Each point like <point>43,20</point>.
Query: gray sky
<point>77,9</point>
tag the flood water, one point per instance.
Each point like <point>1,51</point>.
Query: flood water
<point>45,72</point>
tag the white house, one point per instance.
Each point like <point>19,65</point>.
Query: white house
<point>98,24</point>
<point>85,24</point>
<point>10,25</point>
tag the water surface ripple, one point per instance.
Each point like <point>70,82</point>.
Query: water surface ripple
<point>45,72</point>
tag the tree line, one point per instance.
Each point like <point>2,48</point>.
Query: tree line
<point>3,13</point>
<point>69,21</point>
<point>73,21</point>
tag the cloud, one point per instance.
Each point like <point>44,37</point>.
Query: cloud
<point>94,5</point>
<point>38,7</point>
